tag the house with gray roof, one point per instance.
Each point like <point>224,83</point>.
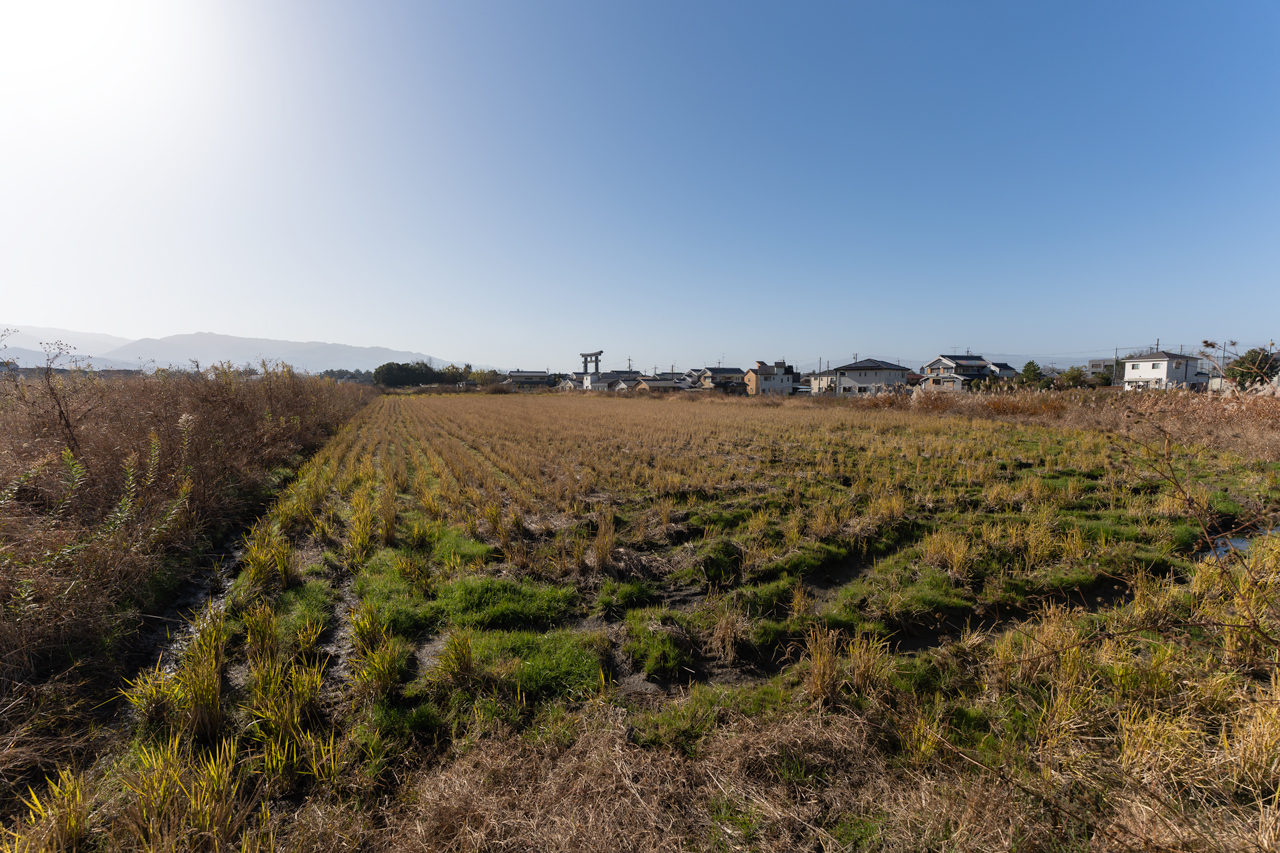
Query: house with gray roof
<point>868,376</point>
<point>957,372</point>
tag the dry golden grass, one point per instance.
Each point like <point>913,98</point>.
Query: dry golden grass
<point>603,793</point>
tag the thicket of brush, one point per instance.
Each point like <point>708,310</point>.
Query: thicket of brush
<point>108,490</point>
<point>1246,424</point>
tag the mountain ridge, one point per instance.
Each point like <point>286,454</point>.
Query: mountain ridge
<point>204,348</point>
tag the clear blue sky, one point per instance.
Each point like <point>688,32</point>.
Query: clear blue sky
<point>514,182</point>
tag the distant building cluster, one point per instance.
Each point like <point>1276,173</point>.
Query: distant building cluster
<point>1156,369</point>
<point>868,376</point>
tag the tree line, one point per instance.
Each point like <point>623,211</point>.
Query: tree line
<point>396,375</point>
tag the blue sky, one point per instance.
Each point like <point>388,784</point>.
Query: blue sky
<point>513,183</point>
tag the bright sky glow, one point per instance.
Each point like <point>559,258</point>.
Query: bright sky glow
<point>513,183</point>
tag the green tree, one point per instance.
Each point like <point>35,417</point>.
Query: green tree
<point>454,374</point>
<point>396,375</point>
<point>1031,374</point>
<point>1255,366</point>
<point>1073,377</point>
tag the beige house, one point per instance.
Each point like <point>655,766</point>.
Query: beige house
<point>778,378</point>
<point>715,377</point>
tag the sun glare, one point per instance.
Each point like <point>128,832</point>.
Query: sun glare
<point>73,68</point>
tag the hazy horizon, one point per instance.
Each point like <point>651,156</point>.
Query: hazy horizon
<point>23,347</point>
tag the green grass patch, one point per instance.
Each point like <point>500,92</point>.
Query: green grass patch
<point>401,720</point>
<point>770,599</point>
<point>933,590</point>
<point>500,603</point>
<point>452,544</point>
<point>656,642</point>
<point>557,664</point>
<point>742,818</point>
<point>397,603</point>
<point>858,832</point>
<point>310,603</point>
<point>809,557</point>
<point>617,597</point>
<point>683,724</point>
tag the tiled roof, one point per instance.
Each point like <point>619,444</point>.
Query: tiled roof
<point>865,364</point>
<point>872,364</point>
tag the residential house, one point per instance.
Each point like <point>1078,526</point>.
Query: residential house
<point>599,381</point>
<point>778,378</point>
<point>528,379</point>
<point>1099,366</point>
<point>650,383</point>
<point>1160,369</point>
<point>944,382</point>
<point>719,378</point>
<point>868,376</point>
<point>956,372</point>
<point>1003,369</point>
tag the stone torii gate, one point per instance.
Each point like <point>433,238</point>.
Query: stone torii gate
<point>593,357</point>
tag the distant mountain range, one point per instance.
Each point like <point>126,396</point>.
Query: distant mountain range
<point>26,347</point>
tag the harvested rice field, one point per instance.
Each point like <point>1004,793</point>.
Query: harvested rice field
<point>536,622</point>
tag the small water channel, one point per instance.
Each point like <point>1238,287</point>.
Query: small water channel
<point>1226,545</point>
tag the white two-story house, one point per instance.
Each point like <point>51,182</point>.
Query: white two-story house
<point>1159,370</point>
